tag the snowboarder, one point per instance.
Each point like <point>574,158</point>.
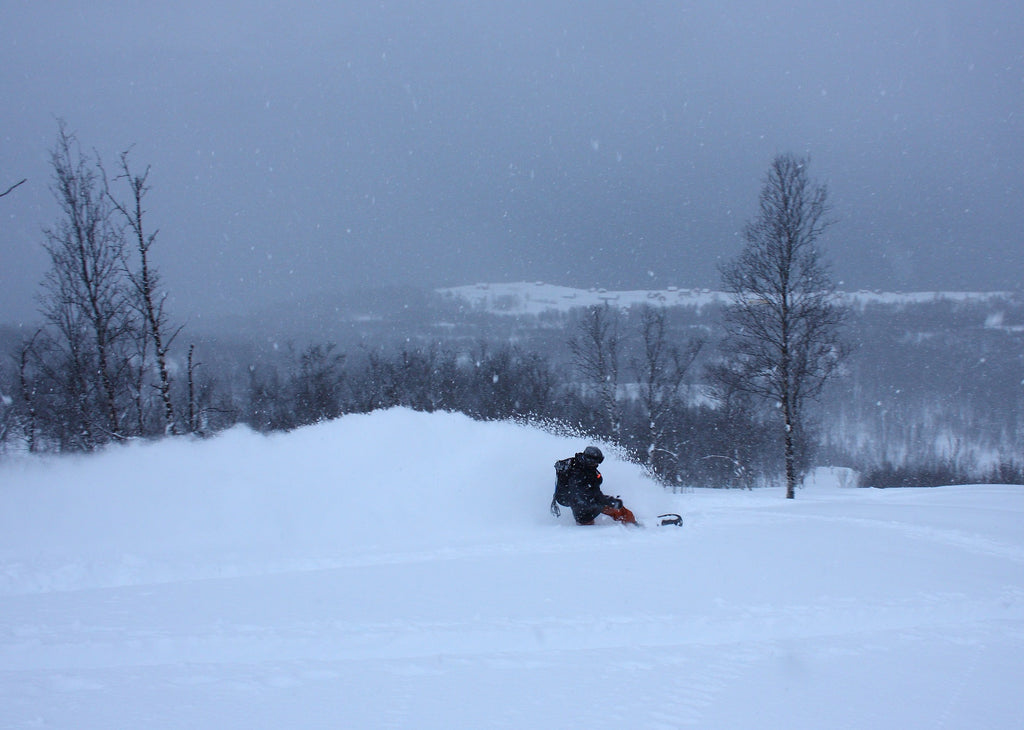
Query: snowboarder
<point>578,487</point>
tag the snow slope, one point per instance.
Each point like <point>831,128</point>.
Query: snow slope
<point>526,298</point>
<point>401,570</point>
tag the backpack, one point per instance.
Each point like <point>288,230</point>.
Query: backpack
<point>563,468</point>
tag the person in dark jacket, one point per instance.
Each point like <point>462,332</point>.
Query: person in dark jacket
<point>578,487</point>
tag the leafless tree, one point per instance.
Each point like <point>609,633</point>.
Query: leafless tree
<point>316,387</point>
<point>595,352</point>
<point>659,368</point>
<point>84,297</point>
<point>27,392</point>
<point>196,414</point>
<point>145,283</point>
<point>783,323</point>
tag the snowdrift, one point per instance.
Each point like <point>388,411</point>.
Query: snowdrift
<point>398,480</point>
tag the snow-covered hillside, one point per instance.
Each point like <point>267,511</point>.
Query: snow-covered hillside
<point>538,297</point>
<point>401,570</point>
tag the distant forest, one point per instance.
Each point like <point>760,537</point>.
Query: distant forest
<point>931,393</point>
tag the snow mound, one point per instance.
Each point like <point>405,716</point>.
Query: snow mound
<point>397,480</point>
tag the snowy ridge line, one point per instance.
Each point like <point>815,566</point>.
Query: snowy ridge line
<point>525,298</point>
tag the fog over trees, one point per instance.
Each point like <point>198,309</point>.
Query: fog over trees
<point>746,394</point>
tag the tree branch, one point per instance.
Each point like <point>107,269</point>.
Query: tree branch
<point>20,182</point>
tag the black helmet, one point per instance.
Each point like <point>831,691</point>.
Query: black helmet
<point>592,453</point>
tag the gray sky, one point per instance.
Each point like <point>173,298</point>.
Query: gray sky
<point>317,146</point>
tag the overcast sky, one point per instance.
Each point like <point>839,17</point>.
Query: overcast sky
<point>302,147</point>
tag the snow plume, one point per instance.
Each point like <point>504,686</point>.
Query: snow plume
<point>401,569</point>
<point>406,479</point>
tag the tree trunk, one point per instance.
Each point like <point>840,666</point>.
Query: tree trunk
<point>790,453</point>
<point>192,420</point>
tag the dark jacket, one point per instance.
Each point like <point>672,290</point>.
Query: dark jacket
<point>578,486</point>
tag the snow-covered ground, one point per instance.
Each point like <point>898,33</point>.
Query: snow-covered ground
<point>525,298</point>
<point>401,570</point>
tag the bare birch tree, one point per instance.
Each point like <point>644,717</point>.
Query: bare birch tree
<point>145,284</point>
<point>782,325</point>
<point>595,352</point>
<point>84,297</point>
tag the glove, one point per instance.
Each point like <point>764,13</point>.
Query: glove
<point>615,503</point>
